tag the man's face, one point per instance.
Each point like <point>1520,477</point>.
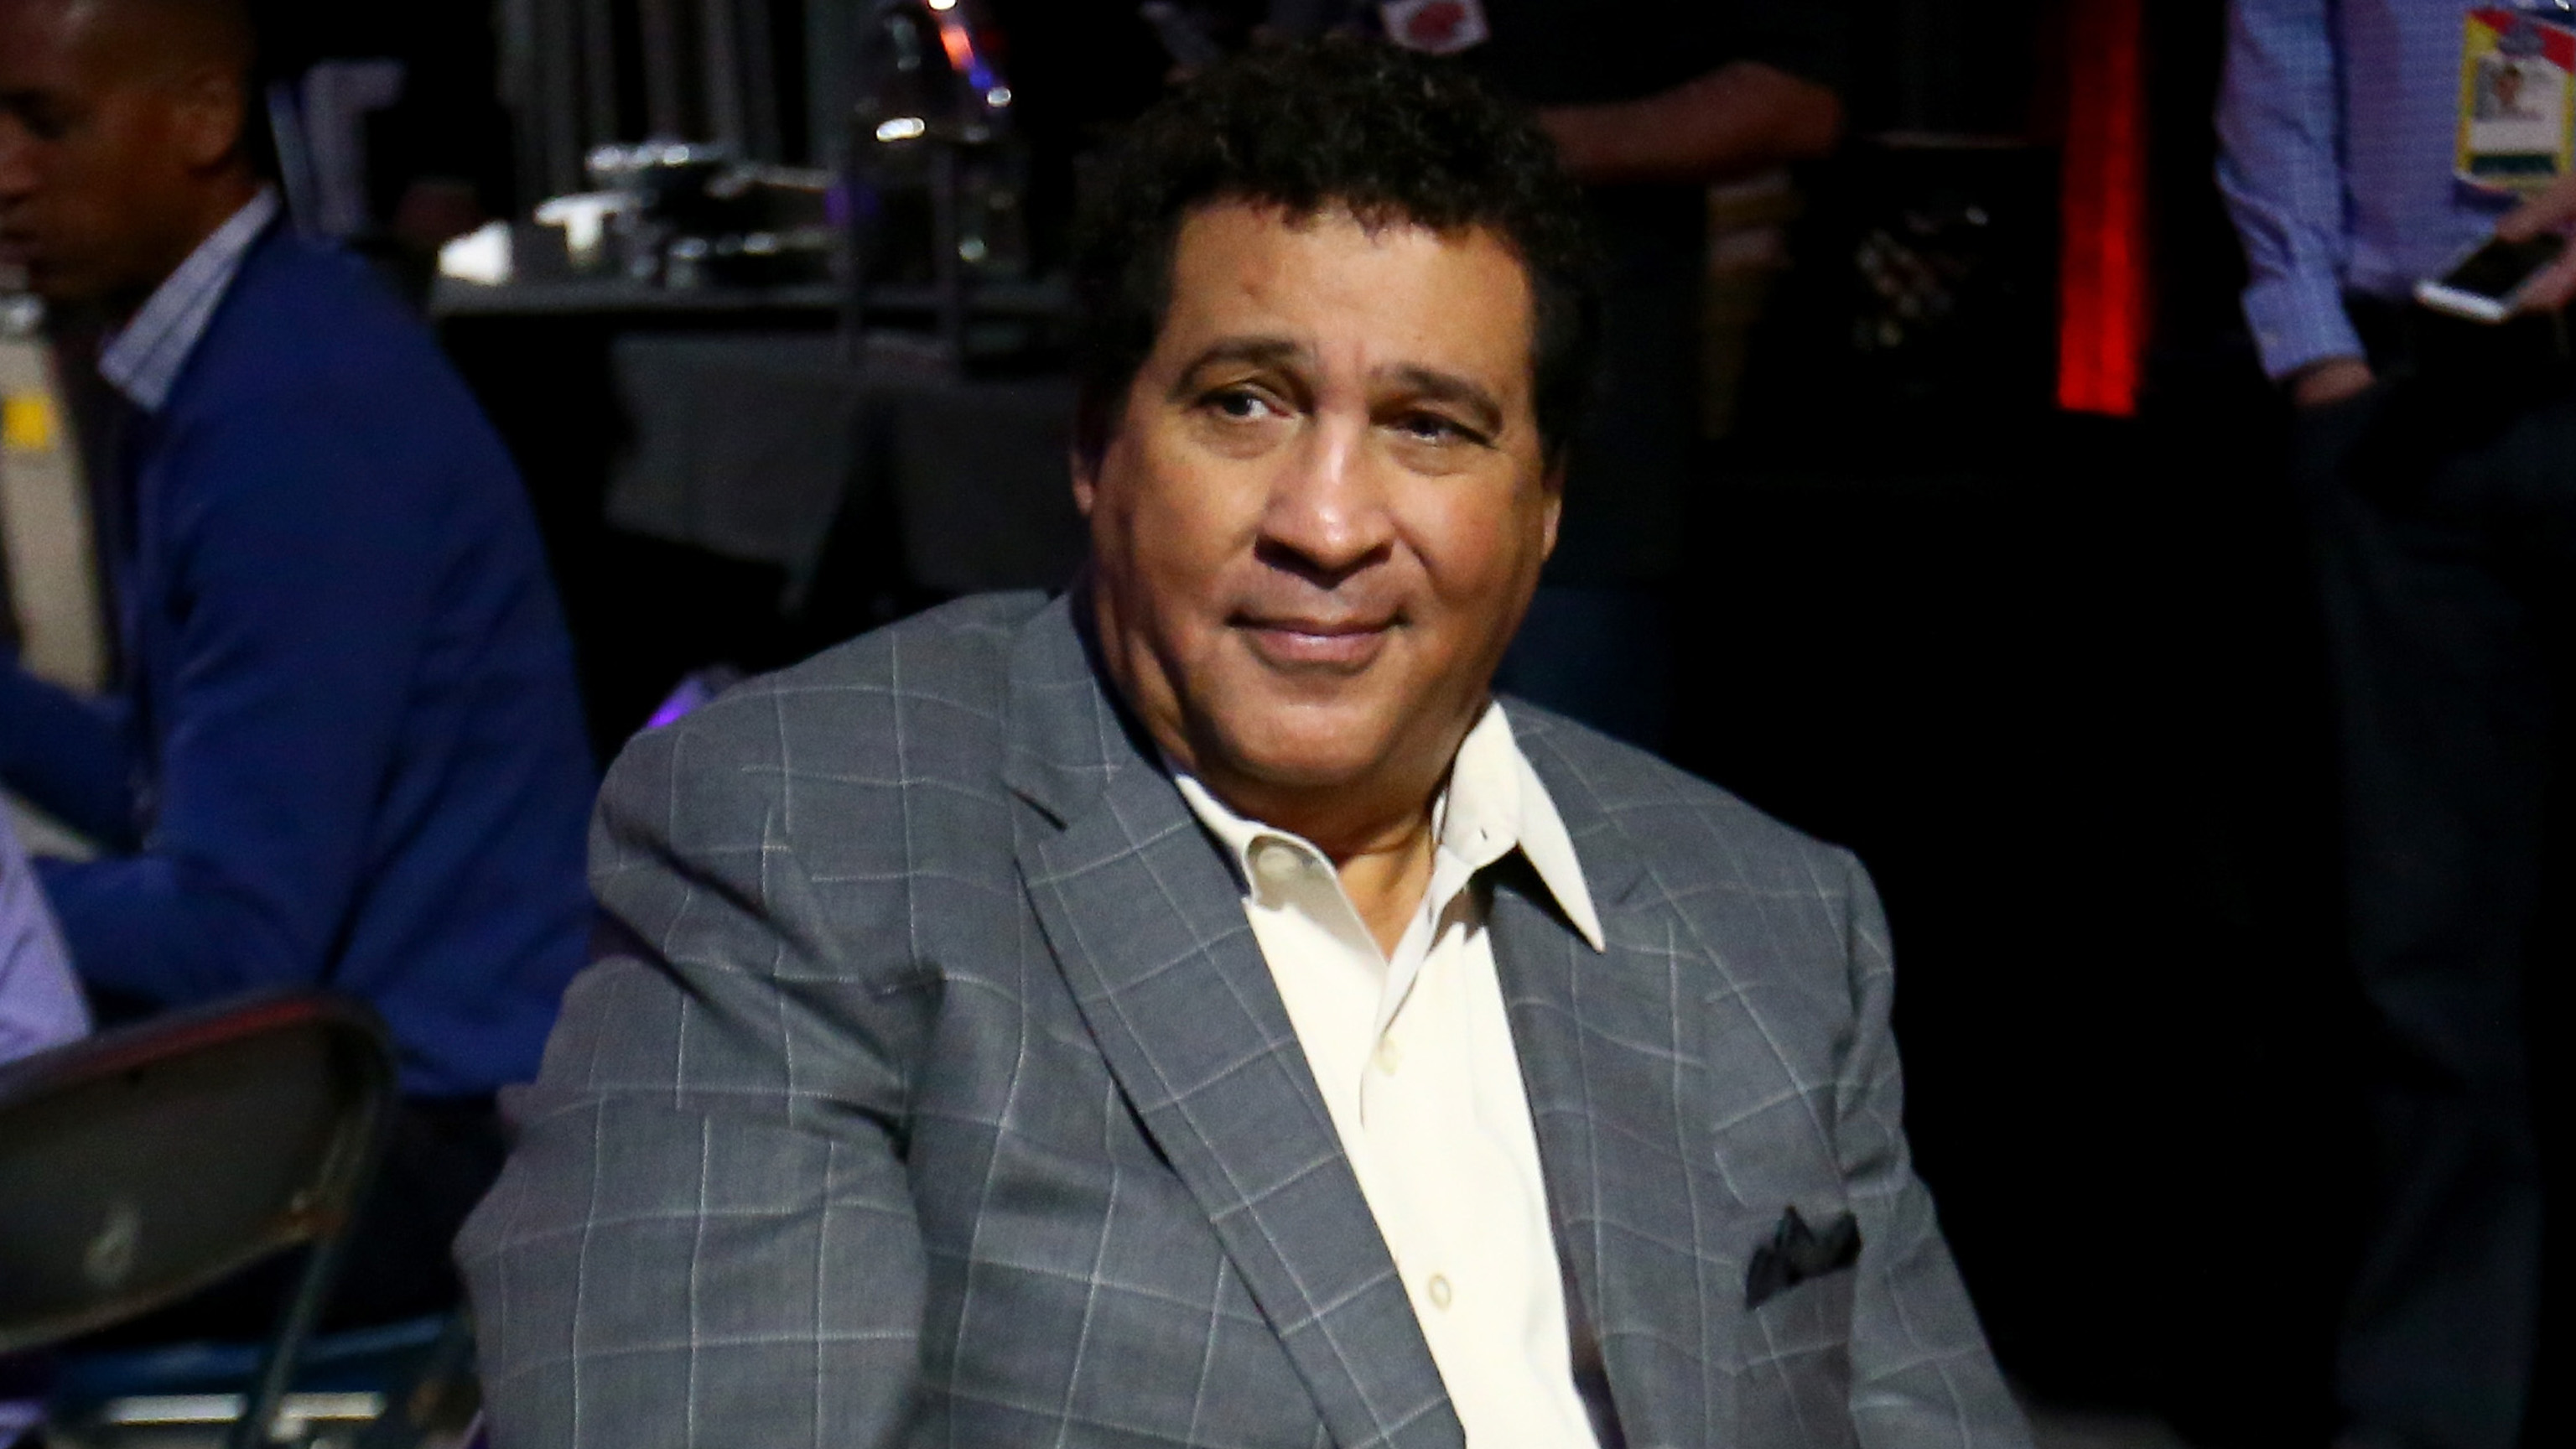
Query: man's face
<point>95,155</point>
<point>1322,512</point>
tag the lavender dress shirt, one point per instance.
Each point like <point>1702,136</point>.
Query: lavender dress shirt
<point>2338,122</point>
<point>39,1005</point>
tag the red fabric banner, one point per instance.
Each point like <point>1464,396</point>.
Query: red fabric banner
<point>2103,270</point>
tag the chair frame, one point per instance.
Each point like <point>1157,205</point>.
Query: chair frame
<point>322,1226</point>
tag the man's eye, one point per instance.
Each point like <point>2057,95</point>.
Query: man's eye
<point>1241,405</point>
<point>42,122</point>
<point>1431,428</point>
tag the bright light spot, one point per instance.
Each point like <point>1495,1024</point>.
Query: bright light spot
<point>481,257</point>
<point>998,97</point>
<point>943,6</point>
<point>902,128</point>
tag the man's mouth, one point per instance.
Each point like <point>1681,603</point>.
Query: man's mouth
<point>1297,642</point>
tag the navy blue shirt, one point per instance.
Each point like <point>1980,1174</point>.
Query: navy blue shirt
<point>348,749</point>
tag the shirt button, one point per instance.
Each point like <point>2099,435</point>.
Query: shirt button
<point>1389,1056</point>
<point>1276,861</point>
<point>1439,1291</point>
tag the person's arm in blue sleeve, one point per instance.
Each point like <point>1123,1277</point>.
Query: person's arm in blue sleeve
<point>2281,169</point>
<point>70,757</point>
<point>307,564</point>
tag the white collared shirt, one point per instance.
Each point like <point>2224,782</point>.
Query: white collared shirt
<point>144,358</point>
<point>1415,1057</point>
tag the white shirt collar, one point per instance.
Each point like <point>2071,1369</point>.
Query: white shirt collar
<point>1494,803</point>
<point>144,358</point>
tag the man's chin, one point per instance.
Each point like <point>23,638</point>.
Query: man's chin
<point>1323,751</point>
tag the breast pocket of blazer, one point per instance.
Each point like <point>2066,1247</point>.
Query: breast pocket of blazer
<point>1794,1346</point>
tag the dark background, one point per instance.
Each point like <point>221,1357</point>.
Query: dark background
<point>2057,680</point>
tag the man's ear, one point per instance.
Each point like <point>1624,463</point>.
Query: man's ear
<point>1086,480</point>
<point>1554,483</point>
<point>209,111</point>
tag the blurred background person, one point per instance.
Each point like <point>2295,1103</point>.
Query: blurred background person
<point>2437,460</point>
<point>1648,111</point>
<point>345,749</point>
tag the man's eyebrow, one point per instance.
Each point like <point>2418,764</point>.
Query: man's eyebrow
<point>1449,387</point>
<point>1243,351</point>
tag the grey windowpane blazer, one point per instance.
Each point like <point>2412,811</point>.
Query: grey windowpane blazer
<point>941,1097</point>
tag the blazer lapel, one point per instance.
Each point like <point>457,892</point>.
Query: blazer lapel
<point>1148,926</point>
<point>1643,1215</point>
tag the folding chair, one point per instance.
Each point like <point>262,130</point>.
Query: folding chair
<point>148,1162</point>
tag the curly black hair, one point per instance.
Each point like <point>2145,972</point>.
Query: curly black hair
<point>1348,124</point>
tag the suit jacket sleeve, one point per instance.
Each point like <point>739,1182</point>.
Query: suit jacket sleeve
<point>300,597</point>
<point>72,757</point>
<point>1921,1372</point>
<point>706,1233</point>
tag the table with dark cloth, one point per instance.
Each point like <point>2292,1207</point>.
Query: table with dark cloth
<point>756,447</point>
<point>719,484</point>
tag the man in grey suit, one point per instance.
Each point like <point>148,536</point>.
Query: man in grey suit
<point>1192,1011</point>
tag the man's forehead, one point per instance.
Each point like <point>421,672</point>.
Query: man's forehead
<point>48,44</point>
<point>1245,217</point>
<point>1256,270</point>
<point>97,43</point>
<point>46,22</point>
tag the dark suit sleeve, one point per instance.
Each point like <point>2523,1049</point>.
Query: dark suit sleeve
<point>1922,1377</point>
<point>302,585</point>
<point>71,757</point>
<point>706,1235</point>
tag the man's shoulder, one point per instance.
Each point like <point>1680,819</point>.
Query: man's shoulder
<point>302,319</point>
<point>1694,833</point>
<point>960,648</point>
<point>311,367</point>
<point>919,701</point>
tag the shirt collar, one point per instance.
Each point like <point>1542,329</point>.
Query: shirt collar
<point>1495,803</point>
<point>143,359</point>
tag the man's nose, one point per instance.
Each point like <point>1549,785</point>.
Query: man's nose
<point>1327,516</point>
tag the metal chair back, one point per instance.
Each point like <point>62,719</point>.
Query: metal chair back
<point>151,1161</point>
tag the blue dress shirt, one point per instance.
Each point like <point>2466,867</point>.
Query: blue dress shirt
<point>2339,124</point>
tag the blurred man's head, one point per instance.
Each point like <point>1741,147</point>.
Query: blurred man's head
<point>122,125</point>
<point>1338,307</point>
